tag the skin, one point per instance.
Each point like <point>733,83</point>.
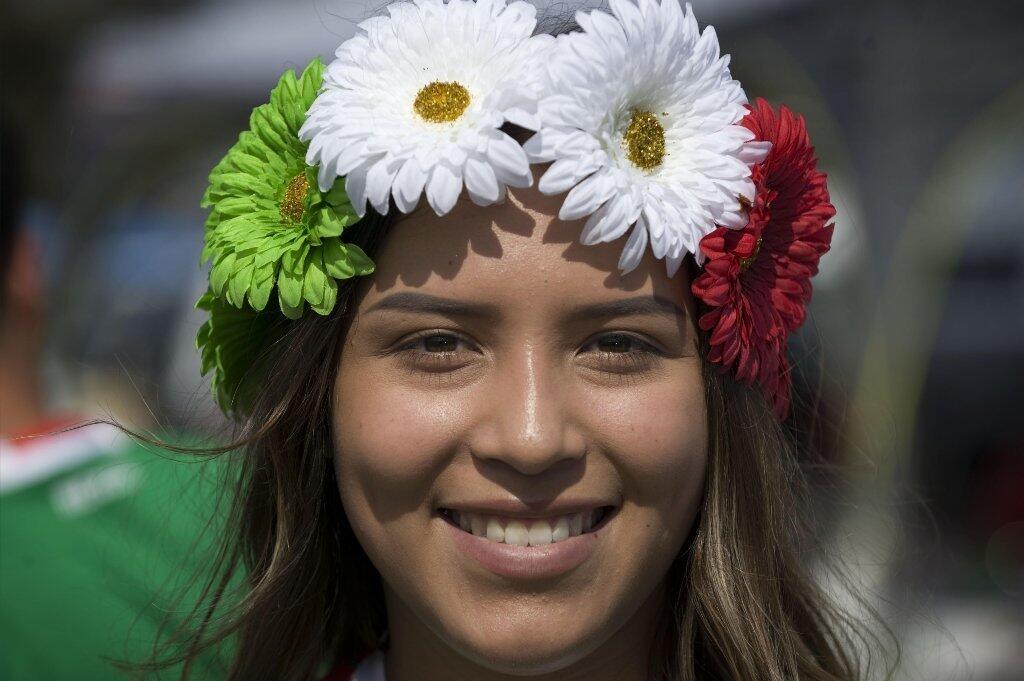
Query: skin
<point>534,403</point>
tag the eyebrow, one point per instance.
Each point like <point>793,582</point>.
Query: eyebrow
<point>423,303</point>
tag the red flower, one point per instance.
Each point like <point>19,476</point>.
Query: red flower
<point>756,280</point>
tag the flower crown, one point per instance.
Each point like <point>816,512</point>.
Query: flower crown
<point>645,130</point>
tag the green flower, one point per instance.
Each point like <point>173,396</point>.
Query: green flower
<point>229,342</point>
<point>269,225</point>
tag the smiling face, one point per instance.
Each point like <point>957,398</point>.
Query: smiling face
<point>520,441</point>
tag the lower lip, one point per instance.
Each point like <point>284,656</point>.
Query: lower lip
<point>526,562</point>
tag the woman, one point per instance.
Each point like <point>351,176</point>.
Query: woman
<point>496,427</point>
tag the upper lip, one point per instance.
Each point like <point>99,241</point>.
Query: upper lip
<point>519,508</point>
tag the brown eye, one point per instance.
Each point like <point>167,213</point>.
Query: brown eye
<point>616,343</point>
<point>620,353</point>
<point>440,343</point>
<point>437,352</point>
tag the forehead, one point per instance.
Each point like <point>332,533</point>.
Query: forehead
<point>516,251</point>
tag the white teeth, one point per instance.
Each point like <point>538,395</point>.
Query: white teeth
<point>517,534</point>
<point>495,532</point>
<point>540,533</point>
<point>526,533</point>
<point>561,530</point>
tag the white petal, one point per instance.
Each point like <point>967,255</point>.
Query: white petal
<point>636,244</point>
<point>755,151</point>
<point>509,161</point>
<point>355,187</point>
<point>326,176</point>
<point>543,145</point>
<point>584,198</point>
<point>672,263</point>
<point>409,185</point>
<point>609,222</point>
<point>522,118</point>
<point>481,183</point>
<point>443,189</point>
<point>562,174</point>
<point>591,233</point>
<point>378,183</point>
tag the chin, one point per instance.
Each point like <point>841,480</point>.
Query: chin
<point>524,647</point>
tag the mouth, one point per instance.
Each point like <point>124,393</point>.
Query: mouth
<point>532,531</point>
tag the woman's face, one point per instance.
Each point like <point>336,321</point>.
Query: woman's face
<point>520,438</point>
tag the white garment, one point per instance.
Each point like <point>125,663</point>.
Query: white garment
<point>370,668</point>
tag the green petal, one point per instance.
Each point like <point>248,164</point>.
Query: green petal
<point>311,80</point>
<point>289,286</point>
<point>360,262</point>
<point>262,285</point>
<point>270,254</point>
<point>251,144</point>
<point>315,280</point>
<point>237,184</point>
<point>294,259</point>
<point>330,297</point>
<point>223,267</point>
<point>292,312</point>
<point>338,197</point>
<point>229,342</point>
<point>285,91</point>
<point>336,262</point>
<point>235,206</point>
<point>247,163</point>
<point>271,128</point>
<point>238,286</point>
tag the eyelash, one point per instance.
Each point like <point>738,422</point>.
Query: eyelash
<point>633,361</point>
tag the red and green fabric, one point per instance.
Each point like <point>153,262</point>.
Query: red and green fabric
<point>97,535</point>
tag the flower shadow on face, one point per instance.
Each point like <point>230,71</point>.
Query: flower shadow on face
<point>444,243</point>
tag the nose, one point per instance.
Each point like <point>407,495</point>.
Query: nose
<point>525,420</point>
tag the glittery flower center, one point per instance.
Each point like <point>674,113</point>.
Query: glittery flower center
<point>293,205</point>
<point>644,140</point>
<point>749,260</point>
<point>439,102</point>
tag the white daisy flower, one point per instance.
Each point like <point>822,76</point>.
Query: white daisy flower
<point>414,102</point>
<point>641,120</point>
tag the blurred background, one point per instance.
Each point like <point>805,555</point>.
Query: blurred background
<point>916,341</point>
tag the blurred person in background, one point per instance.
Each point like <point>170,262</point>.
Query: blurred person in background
<point>94,528</point>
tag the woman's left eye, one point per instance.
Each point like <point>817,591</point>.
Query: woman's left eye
<point>622,352</point>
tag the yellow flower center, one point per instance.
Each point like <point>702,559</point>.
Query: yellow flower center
<point>293,205</point>
<point>644,140</point>
<point>439,102</point>
<point>749,260</point>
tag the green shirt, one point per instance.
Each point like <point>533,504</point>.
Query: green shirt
<point>97,534</point>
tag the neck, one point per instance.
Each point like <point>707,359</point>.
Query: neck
<point>416,653</point>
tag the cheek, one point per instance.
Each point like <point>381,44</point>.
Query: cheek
<point>390,444</point>
<point>657,439</point>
